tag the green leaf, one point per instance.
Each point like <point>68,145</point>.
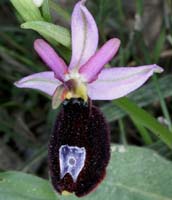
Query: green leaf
<point>57,33</point>
<point>137,174</point>
<point>145,119</point>
<point>27,9</point>
<point>143,132</point>
<point>20,186</point>
<point>46,10</point>
<point>133,174</point>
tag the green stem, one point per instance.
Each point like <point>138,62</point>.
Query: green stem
<point>122,131</point>
<point>60,11</point>
<point>163,103</point>
<point>46,11</point>
<point>121,18</point>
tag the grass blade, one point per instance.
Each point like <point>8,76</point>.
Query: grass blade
<point>145,119</point>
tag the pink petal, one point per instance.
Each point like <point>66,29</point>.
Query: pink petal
<point>95,64</point>
<point>84,35</point>
<point>44,81</point>
<point>51,58</point>
<point>117,82</point>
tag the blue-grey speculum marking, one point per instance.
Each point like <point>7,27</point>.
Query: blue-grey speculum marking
<point>72,160</point>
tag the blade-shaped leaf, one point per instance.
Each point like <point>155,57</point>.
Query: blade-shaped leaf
<point>143,132</point>
<point>145,119</point>
<point>27,10</point>
<point>57,33</point>
<point>133,174</point>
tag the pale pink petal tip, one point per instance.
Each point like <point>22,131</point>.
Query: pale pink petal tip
<point>158,69</point>
<point>43,81</point>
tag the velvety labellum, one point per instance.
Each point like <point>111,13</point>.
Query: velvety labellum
<point>79,148</point>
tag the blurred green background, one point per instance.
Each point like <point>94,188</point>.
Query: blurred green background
<point>26,117</point>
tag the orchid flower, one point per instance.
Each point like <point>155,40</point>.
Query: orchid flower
<point>85,77</point>
<point>79,148</point>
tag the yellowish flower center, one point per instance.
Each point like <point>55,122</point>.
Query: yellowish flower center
<point>77,87</point>
<point>74,87</point>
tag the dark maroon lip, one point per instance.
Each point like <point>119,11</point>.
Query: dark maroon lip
<point>81,125</point>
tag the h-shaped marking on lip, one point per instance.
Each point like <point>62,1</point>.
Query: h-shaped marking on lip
<point>72,160</point>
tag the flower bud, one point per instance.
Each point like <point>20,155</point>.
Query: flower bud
<point>38,3</point>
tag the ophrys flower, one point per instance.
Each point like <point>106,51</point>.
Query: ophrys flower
<point>85,77</point>
<point>79,148</point>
